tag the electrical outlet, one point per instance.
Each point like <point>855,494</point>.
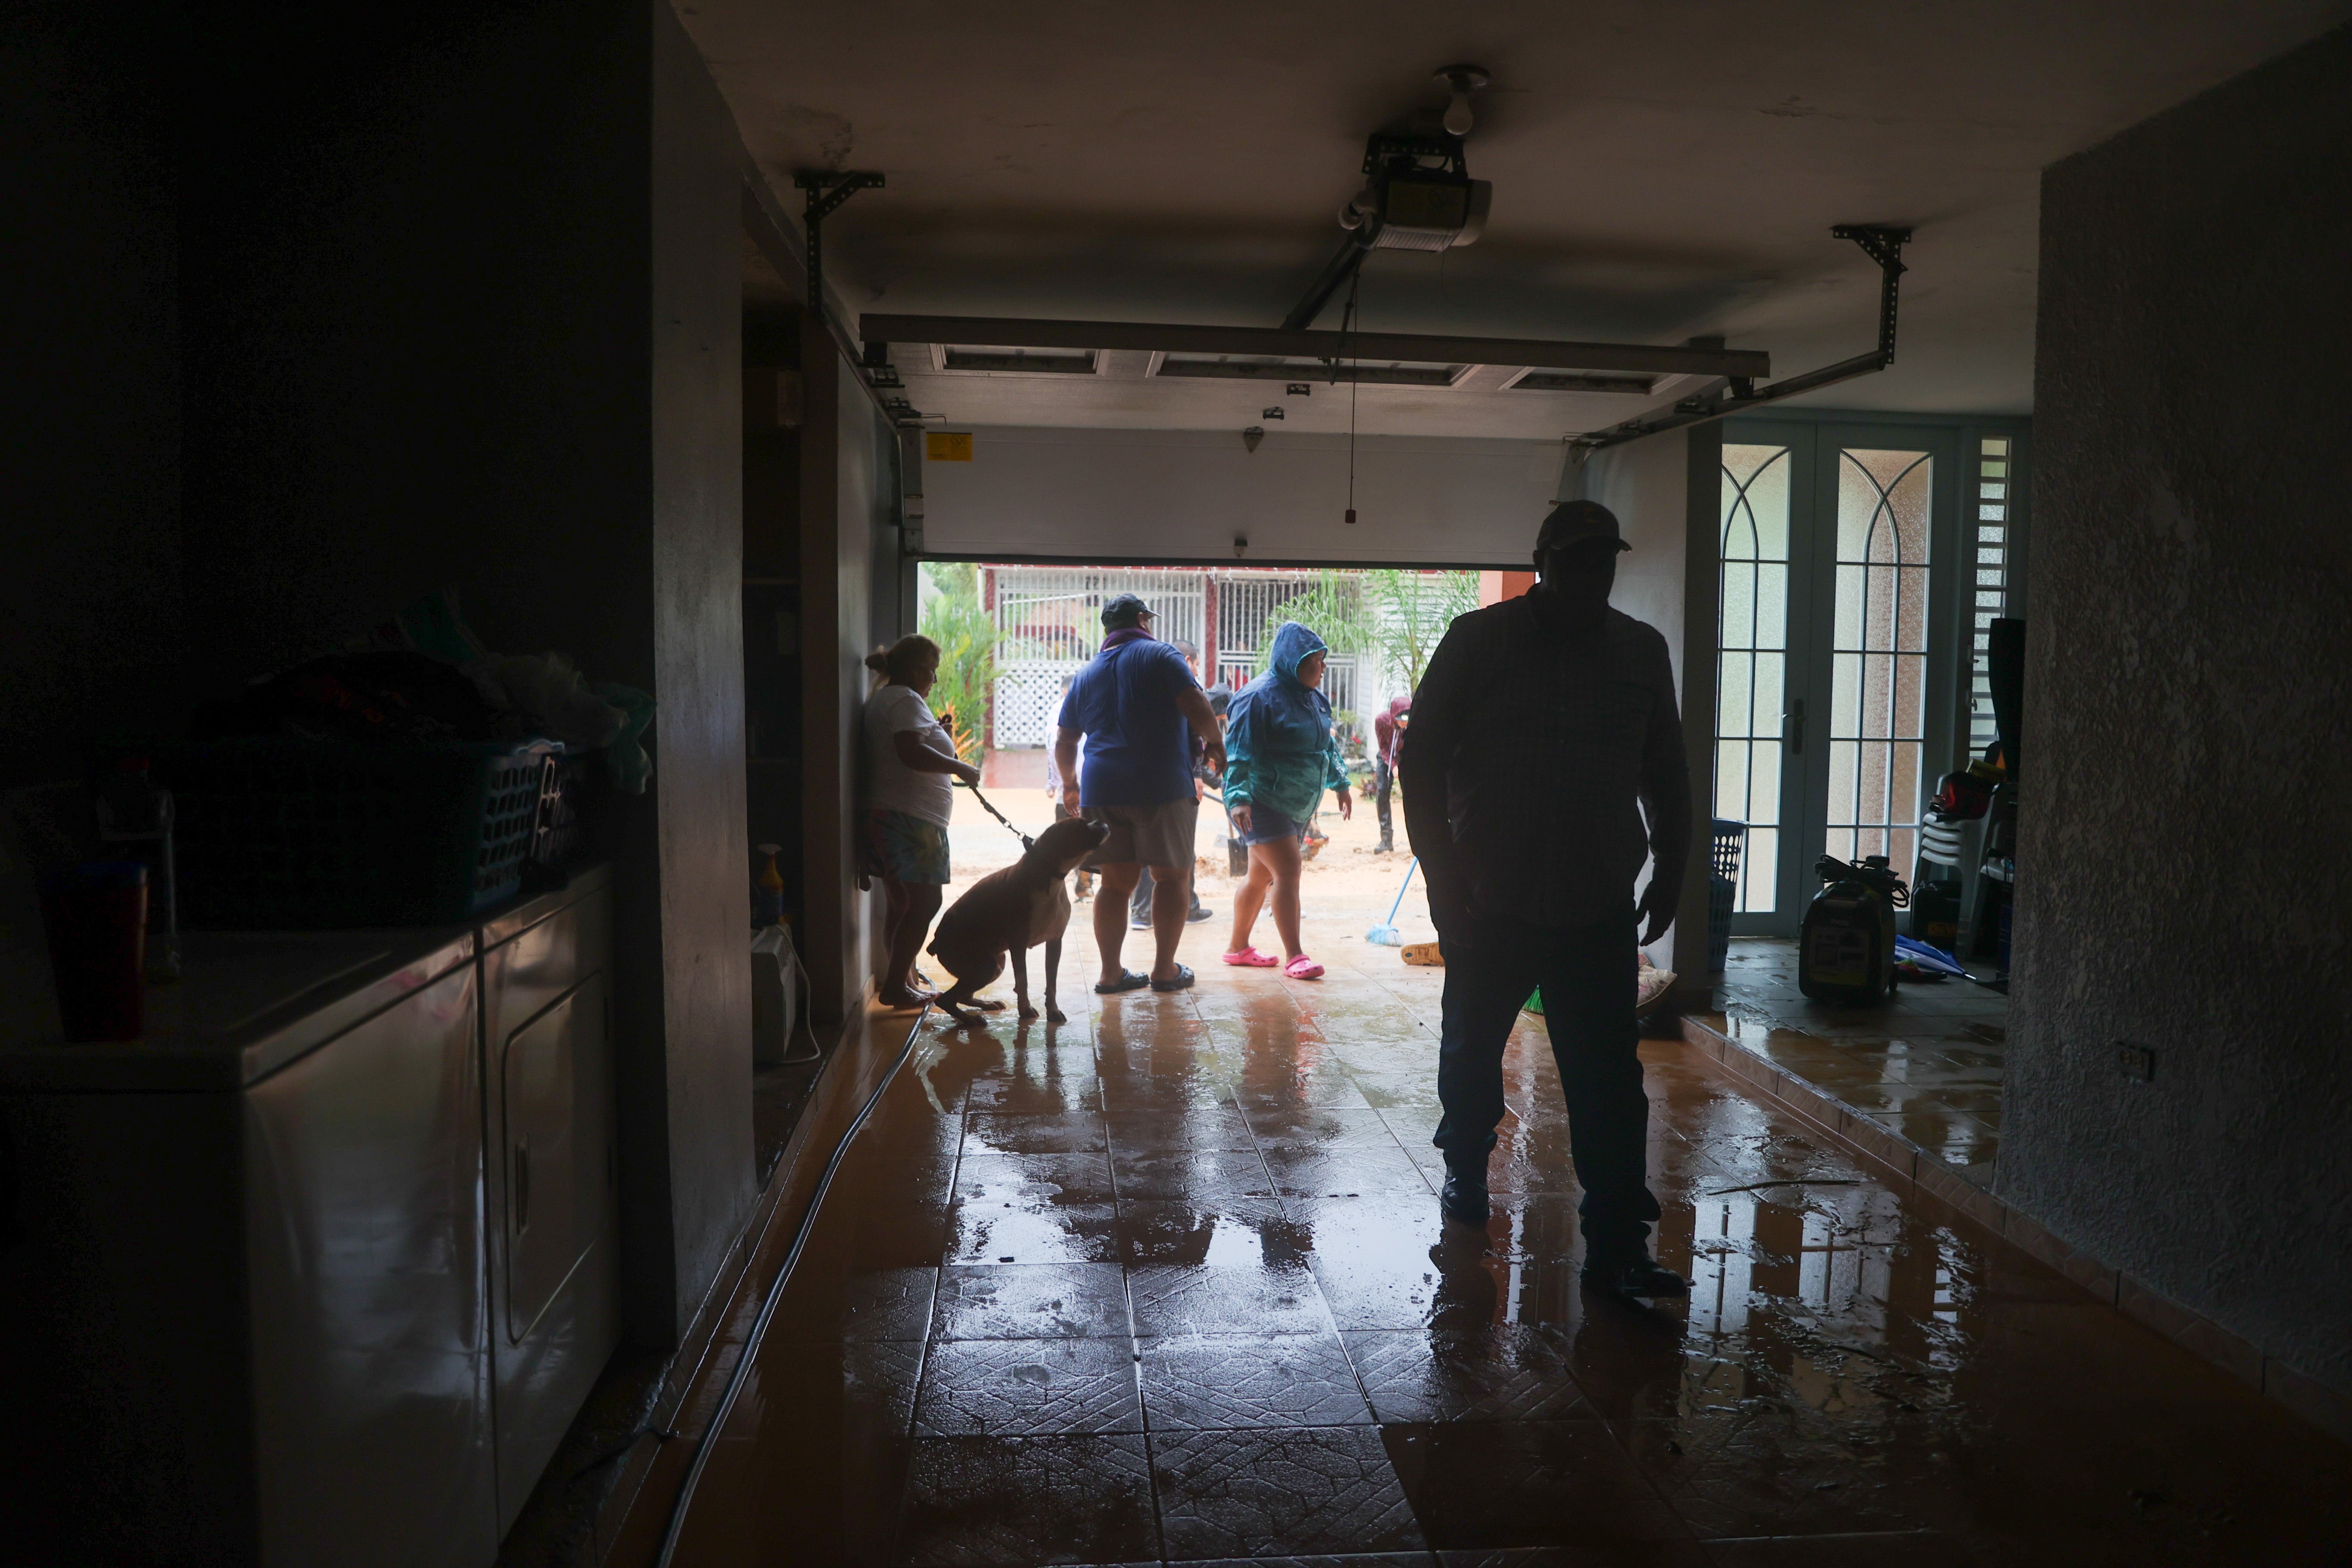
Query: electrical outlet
<point>2135,1062</point>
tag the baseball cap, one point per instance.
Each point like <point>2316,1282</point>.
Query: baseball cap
<point>1574,522</point>
<point>1123,611</point>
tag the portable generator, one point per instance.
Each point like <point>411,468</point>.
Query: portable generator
<point>1845,951</point>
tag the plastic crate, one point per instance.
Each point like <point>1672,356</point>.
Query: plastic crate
<point>1722,891</point>
<point>295,834</point>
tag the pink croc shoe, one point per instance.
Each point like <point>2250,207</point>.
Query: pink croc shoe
<point>1251,958</point>
<point>1302,968</point>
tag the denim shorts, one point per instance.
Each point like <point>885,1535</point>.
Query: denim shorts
<point>1267,826</point>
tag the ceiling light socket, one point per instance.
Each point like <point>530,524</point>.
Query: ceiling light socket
<point>1252,436</point>
<point>1274,412</point>
<point>1462,81</point>
<point>1241,542</point>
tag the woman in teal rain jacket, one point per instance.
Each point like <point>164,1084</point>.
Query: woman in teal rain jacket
<point>1279,758</point>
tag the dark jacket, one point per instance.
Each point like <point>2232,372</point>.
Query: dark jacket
<point>1550,751</point>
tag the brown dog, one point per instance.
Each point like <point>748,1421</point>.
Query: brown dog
<point>1011,911</point>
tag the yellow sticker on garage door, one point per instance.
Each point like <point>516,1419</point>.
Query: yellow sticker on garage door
<point>946,446</point>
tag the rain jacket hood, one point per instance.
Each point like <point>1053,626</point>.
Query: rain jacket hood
<point>1294,644</point>
<point>1279,753</point>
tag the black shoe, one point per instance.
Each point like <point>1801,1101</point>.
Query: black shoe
<point>1638,1277</point>
<point>1199,914</point>
<point>1384,848</point>
<point>1464,1199</point>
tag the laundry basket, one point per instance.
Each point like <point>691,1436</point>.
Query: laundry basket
<point>281,833</point>
<point>1722,891</point>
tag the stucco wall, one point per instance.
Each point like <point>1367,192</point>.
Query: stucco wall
<point>2184,839</point>
<point>696,582</point>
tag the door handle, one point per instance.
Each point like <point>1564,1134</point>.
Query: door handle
<point>1792,726</point>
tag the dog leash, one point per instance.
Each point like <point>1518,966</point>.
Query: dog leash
<point>1027,843</point>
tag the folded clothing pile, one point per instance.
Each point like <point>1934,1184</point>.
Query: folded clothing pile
<point>425,677</point>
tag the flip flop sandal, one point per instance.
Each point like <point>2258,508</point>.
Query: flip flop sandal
<point>1251,958</point>
<point>1129,980</point>
<point>1183,981</point>
<point>1302,968</point>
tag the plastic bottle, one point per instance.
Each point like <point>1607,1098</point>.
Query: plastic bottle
<point>132,808</point>
<point>768,891</point>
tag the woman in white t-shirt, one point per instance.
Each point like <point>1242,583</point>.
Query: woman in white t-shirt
<point>909,760</point>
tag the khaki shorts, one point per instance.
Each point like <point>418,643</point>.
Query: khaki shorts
<point>1157,836</point>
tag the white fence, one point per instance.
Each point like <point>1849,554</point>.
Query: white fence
<point>1049,622</point>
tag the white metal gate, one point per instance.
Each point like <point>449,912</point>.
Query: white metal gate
<point>1249,610</point>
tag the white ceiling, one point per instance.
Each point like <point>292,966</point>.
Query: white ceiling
<point>1662,169</point>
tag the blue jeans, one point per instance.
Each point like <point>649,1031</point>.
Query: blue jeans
<point>1588,975</point>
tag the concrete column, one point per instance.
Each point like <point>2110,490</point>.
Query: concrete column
<point>1701,609</point>
<point>836,598</point>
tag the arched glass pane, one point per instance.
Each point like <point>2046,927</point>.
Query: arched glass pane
<point>1879,654</point>
<point>1752,640</point>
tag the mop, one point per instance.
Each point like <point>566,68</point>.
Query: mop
<point>1385,934</point>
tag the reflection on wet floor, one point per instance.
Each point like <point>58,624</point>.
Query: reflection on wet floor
<point>1168,1284</point>
<point>1926,1067</point>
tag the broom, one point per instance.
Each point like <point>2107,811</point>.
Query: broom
<point>1385,934</point>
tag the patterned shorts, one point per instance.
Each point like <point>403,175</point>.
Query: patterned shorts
<point>904,847</point>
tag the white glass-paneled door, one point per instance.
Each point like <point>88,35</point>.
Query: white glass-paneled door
<point>1836,666</point>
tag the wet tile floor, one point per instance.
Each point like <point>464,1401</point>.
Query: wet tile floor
<point>1168,1284</point>
<point>1927,1067</point>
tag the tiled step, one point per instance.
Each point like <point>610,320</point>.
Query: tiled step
<point>1902,1163</point>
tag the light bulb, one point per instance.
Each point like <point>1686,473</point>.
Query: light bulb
<point>1461,81</point>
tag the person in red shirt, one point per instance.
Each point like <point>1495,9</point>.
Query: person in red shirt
<point>1388,734</point>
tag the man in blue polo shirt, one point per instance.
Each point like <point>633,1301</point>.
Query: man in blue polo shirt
<point>1138,709</point>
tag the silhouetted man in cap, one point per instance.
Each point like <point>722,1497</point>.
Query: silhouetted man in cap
<point>1546,765</point>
